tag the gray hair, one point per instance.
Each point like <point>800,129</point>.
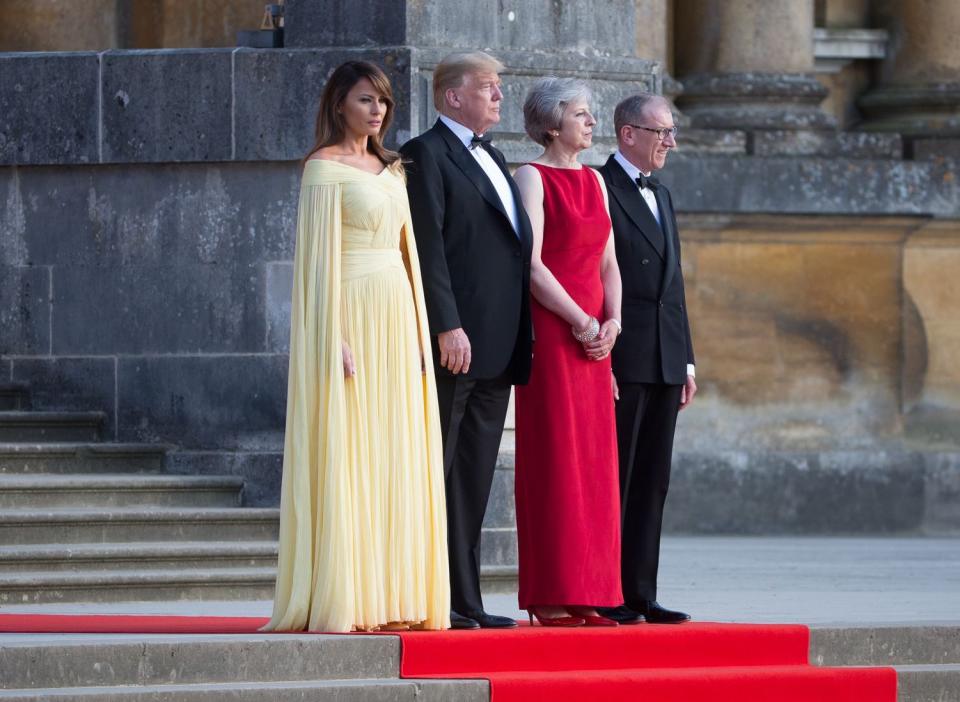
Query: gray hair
<point>631,109</point>
<point>545,103</point>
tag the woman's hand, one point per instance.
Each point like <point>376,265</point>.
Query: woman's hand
<point>349,368</point>
<point>600,348</point>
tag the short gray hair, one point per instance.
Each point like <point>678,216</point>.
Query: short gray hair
<point>545,103</point>
<point>630,110</point>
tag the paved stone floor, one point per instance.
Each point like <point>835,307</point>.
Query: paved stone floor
<point>761,579</point>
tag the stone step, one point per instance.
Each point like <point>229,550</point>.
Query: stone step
<point>885,645</point>
<point>498,580</point>
<point>928,683</point>
<point>140,556</point>
<point>395,690</point>
<point>501,510</point>
<point>81,458</point>
<point>21,427</point>
<point>54,660</point>
<point>143,524</point>
<point>54,491</point>
<point>14,396</point>
<point>498,547</point>
<point>137,586</point>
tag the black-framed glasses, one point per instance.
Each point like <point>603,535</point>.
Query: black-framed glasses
<point>661,132</point>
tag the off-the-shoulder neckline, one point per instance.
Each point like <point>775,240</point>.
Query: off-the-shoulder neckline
<point>347,165</point>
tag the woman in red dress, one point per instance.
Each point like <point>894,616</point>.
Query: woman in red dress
<point>567,494</point>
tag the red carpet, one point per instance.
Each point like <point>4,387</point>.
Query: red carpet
<point>686,663</point>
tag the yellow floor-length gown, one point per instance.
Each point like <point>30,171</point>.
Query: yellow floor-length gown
<point>362,518</point>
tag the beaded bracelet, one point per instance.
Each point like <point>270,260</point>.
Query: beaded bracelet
<point>589,334</point>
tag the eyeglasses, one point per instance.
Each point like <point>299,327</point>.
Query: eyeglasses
<point>661,132</point>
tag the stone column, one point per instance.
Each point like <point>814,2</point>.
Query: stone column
<point>654,37</point>
<point>748,64</point>
<point>919,91</point>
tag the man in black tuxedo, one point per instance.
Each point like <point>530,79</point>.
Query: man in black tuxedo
<point>653,360</point>
<point>473,239</point>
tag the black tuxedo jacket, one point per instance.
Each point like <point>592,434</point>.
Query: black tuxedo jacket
<point>655,346</point>
<point>475,267</point>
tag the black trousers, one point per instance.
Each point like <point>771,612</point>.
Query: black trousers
<point>472,413</point>
<point>646,421</point>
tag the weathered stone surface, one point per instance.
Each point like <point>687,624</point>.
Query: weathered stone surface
<point>71,384</point>
<point>277,94</point>
<point>931,260</point>
<point>207,401</point>
<point>942,496</point>
<point>811,185</point>
<point>143,309</point>
<point>279,290</point>
<point>827,144</point>
<point>785,492</point>
<point>24,310</point>
<point>605,27</point>
<point>164,106</point>
<point>261,472</point>
<point>754,100</point>
<point>712,141</point>
<point>234,214</point>
<point>501,509</point>
<point>936,149</point>
<point>319,23</point>
<point>49,108</point>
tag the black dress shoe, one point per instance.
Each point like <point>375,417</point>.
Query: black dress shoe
<point>655,614</point>
<point>621,614</point>
<point>492,621</point>
<point>458,621</point>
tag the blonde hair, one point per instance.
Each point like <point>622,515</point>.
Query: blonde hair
<point>451,71</point>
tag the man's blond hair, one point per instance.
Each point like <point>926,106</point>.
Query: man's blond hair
<point>451,71</point>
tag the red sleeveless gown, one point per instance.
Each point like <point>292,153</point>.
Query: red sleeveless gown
<point>567,491</point>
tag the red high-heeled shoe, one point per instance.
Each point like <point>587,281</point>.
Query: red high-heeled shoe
<point>592,619</point>
<point>554,621</point>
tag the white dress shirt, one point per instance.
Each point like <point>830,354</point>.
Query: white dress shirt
<point>645,193</point>
<point>651,200</point>
<point>490,168</point>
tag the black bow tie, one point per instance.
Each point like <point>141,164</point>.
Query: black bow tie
<point>647,182</point>
<point>478,140</point>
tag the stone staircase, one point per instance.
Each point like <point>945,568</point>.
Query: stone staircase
<point>83,520</point>
<point>261,668</point>
<point>926,658</point>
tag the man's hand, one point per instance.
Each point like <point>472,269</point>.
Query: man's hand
<point>688,391</point>
<point>454,350</point>
<point>616,388</point>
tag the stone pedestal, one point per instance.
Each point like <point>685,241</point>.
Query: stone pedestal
<point>919,94</point>
<point>749,64</point>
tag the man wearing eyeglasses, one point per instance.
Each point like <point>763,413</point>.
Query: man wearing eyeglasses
<point>653,362</point>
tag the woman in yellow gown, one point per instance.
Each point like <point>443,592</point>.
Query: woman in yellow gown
<point>363,540</point>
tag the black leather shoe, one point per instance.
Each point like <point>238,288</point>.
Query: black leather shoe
<point>621,614</point>
<point>458,621</point>
<point>655,614</point>
<point>492,621</point>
